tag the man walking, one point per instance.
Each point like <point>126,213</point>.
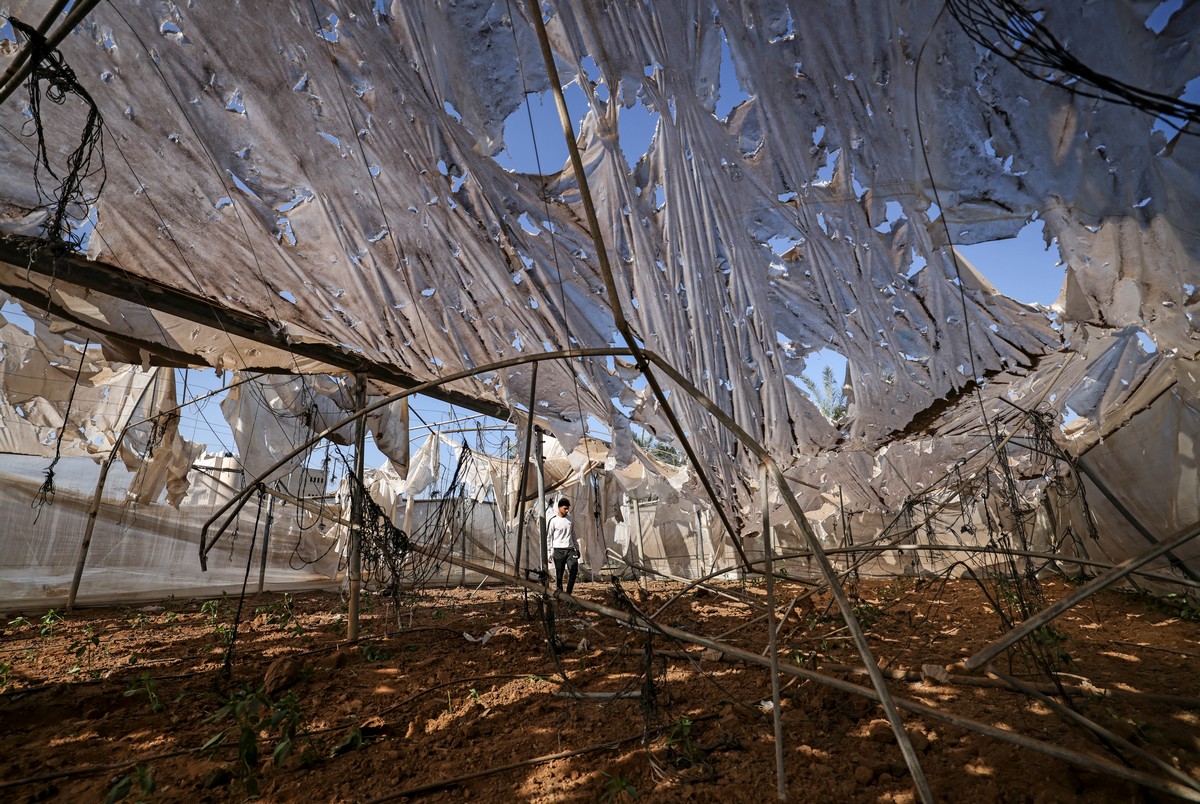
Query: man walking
<point>561,533</point>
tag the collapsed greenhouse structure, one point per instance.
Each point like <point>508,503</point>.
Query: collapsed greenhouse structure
<point>313,202</point>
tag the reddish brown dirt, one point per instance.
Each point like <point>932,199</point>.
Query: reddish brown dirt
<point>107,699</point>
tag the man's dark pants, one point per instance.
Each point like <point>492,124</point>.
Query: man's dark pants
<point>566,558</point>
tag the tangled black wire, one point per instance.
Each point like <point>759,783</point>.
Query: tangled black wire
<point>86,162</point>
<point>383,547</point>
<point>1007,29</point>
<point>45,494</point>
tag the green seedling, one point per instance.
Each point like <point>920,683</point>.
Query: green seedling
<point>145,684</point>
<point>141,779</point>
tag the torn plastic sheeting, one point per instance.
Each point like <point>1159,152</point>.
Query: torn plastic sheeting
<point>699,266</point>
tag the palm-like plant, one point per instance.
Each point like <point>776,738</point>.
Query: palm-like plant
<point>829,397</point>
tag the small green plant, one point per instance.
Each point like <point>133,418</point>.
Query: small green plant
<point>867,613</point>
<point>212,609</point>
<point>136,619</point>
<point>280,613</point>
<point>19,622</point>
<point>679,739</point>
<point>85,650</point>
<point>351,742</point>
<point>474,695</point>
<point>617,788</point>
<point>253,713</point>
<point>145,684</point>
<point>375,653</point>
<point>5,670</point>
<point>141,778</point>
<point>49,620</point>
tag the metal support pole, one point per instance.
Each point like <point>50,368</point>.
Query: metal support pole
<point>523,468</point>
<point>641,542</point>
<point>94,509</point>
<point>266,543</point>
<point>541,518</point>
<point>772,642</point>
<point>1079,595</point>
<point>89,529</point>
<point>357,489</point>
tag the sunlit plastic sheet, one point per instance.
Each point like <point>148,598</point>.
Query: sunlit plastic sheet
<point>141,553</point>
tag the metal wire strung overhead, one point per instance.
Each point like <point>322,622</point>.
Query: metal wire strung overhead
<point>1017,35</point>
<point>85,163</point>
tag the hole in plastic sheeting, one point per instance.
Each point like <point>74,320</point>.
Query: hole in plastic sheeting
<point>731,93</point>
<point>172,31</point>
<point>456,182</point>
<point>528,225</point>
<point>450,110</point>
<point>782,245</point>
<point>222,202</point>
<point>301,196</point>
<point>1148,345</point>
<point>234,103</point>
<point>1173,126</point>
<point>243,152</point>
<point>241,185</point>
<point>329,138</point>
<point>636,127</point>
<point>525,149</point>
<point>825,173</point>
<point>1161,15</point>
<point>893,214</point>
<point>427,292</point>
<point>788,31</point>
<point>914,267</point>
<point>1069,416</point>
<point>1143,202</point>
<point>330,32</point>
<point>374,170</point>
<point>375,238</point>
<point>934,212</point>
<point>787,345</point>
<point>1021,267</point>
<point>7,34</point>
<point>302,84</point>
<point>288,297</point>
<point>591,73</point>
<point>283,231</point>
<point>818,135</point>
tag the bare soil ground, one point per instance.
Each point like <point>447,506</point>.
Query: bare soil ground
<point>134,704</point>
